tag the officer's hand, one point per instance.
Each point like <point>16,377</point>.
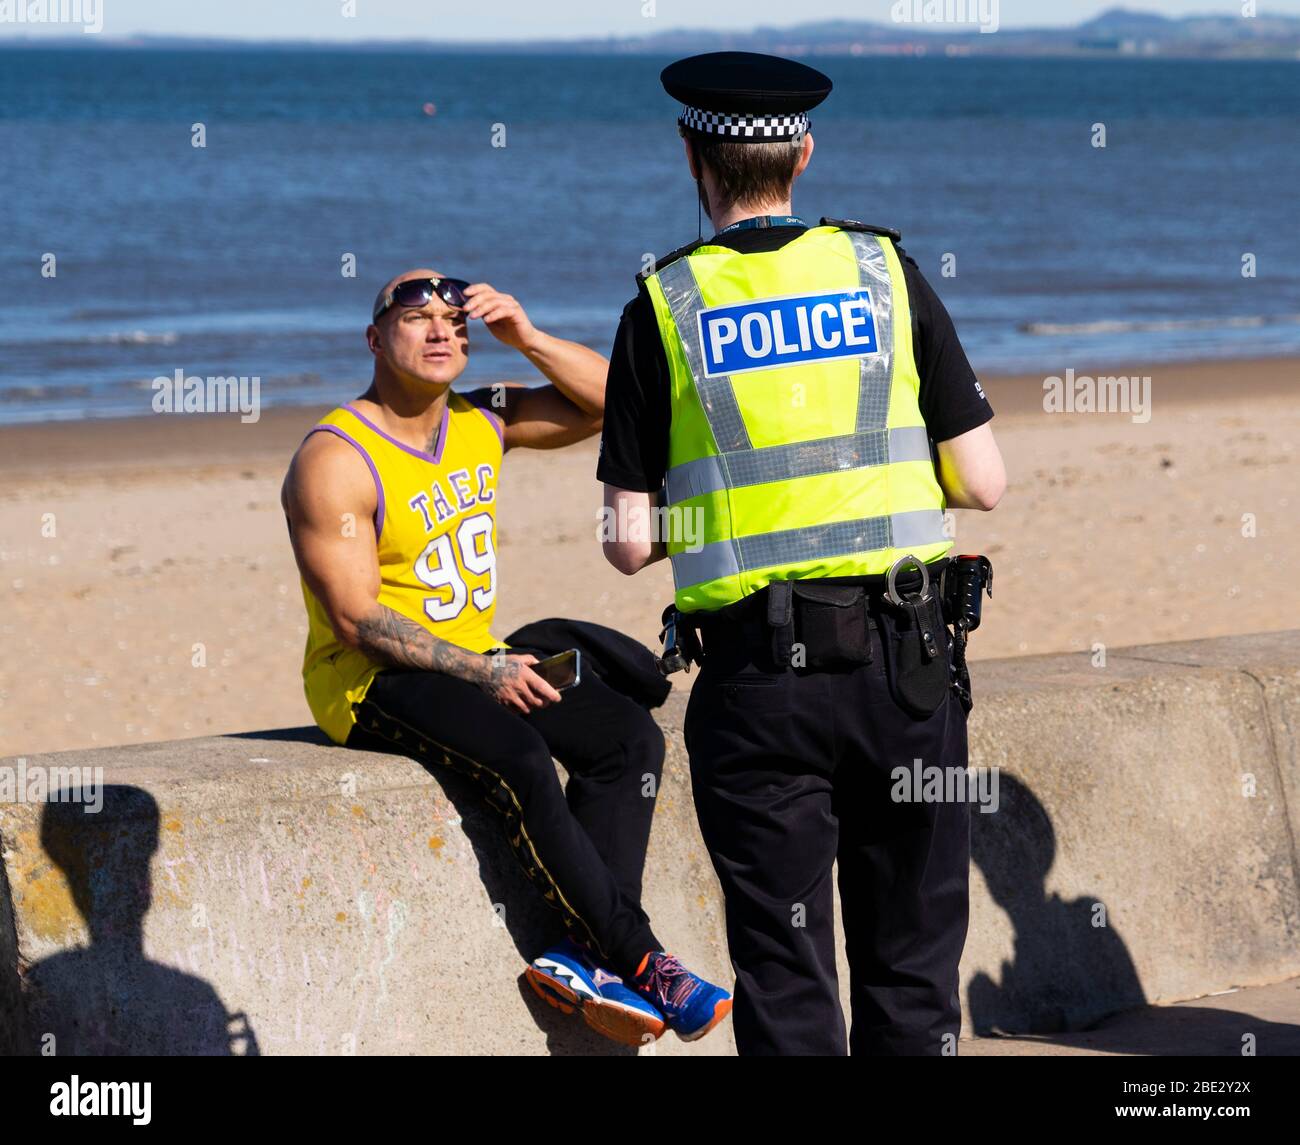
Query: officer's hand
<point>514,685</point>
<point>502,314</point>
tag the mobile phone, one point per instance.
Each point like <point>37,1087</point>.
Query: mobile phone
<point>562,670</point>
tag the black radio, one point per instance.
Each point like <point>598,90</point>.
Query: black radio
<point>964,580</point>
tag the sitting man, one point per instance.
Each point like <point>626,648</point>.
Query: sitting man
<point>391,504</point>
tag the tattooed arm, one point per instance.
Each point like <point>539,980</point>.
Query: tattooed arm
<point>391,638</point>
<point>329,499</point>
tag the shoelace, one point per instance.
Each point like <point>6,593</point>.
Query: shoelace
<point>670,982</point>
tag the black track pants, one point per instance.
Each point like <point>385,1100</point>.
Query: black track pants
<point>583,845</point>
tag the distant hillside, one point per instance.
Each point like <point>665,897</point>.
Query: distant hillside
<point>1117,32</point>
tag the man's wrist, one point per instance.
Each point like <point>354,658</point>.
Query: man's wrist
<point>534,345</point>
<point>481,666</point>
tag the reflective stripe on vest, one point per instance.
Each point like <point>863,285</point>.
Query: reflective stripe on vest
<point>816,542</point>
<point>800,459</point>
<point>738,464</point>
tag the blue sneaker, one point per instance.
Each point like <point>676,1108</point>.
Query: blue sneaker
<point>567,977</point>
<point>690,1005</point>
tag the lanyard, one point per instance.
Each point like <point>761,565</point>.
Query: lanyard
<point>764,221</point>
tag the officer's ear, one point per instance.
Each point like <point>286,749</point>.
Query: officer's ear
<point>372,339</point>
<point>805,156</point>
<point>692,159</point>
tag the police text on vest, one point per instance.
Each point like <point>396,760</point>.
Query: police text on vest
<point>772,332</point>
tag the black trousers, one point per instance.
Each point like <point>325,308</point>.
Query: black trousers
<point>791,772</point>
<point>583,845</point>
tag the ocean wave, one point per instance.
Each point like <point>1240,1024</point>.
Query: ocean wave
<point>36,392</point>
<point>133,338</point>
<point>62,341</point>
<point>270,381</point>
<point>1159,324</point>
<point>102,313</point>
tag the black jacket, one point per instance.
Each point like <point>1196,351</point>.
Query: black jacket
<point>624,664</point>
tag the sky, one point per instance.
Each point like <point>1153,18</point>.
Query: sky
<point>530,19</point>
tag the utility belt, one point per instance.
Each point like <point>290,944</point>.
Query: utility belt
<point>826,625</point>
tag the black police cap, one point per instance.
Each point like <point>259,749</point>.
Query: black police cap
<point>745,96</point>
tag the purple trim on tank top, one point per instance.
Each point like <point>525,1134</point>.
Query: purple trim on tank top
<point>361,449</point>
<point>496,423</point>
<point>435,457</point>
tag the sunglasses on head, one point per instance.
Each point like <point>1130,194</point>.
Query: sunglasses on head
<point>415,292</point>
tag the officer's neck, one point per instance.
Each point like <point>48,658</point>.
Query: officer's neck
<point>739,212</point>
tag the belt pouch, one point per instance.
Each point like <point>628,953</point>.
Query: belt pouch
<point>831,624</point>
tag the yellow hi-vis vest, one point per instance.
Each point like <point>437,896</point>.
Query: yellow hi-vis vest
<point>797,447</point>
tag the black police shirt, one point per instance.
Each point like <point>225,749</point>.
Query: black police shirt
<point>634,446</point>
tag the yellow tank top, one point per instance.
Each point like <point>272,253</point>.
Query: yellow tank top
<point>435,522</point>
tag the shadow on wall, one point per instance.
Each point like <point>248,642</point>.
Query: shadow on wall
<point>108,998</point>
<point>1069,974</point>
<point>1066,972</point>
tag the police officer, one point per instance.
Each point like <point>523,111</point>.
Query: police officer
<point>796,397</point>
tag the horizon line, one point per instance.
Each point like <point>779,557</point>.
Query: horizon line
<point>919,30</point>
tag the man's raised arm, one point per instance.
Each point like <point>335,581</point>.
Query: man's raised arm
<point>571,408</point>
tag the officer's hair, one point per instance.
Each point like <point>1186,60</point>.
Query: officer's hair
<point>749,172</point>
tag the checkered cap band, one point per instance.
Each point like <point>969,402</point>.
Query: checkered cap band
<point>761,127</point>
